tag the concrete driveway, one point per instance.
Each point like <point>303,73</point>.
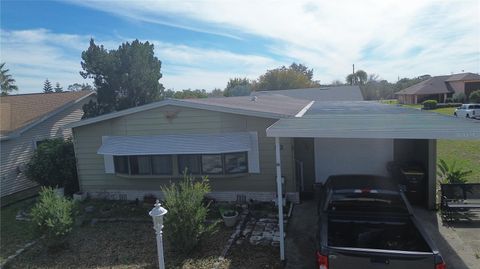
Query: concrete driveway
<point>300,240</point>
<point>459,243</point>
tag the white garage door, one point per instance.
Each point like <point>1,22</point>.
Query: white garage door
<point>351,156</point>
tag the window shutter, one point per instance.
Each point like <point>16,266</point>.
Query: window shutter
<point>108,161</point>
<point>253,154</point>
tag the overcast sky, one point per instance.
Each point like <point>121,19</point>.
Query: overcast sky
<point>204,43</point>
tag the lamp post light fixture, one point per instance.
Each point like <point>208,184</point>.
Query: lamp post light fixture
<point>157,214</point>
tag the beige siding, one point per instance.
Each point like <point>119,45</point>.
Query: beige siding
<point>16,152</point>
<point>88,139</point>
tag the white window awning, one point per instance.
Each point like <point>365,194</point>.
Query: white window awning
<point>177,144</point>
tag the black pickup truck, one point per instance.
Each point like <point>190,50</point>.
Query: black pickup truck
<point>366,222</point>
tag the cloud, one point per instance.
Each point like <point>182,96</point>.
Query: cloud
<point>36,54</point>
<point>413,38</point>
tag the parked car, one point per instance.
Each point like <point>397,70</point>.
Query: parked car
<point>468,111</point>
<point>366,222</point>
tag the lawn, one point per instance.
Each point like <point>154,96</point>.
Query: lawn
<point>132,245</point>
<point>14,234</point>
<point>466,154</point>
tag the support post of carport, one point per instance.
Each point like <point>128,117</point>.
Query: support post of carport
<point>280,198</point>
<point>432,174</point>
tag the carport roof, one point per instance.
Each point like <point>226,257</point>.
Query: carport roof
<point>365,119</point>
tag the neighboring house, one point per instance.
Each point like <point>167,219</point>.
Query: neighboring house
<point>439,88</point>
<point>26,120</point>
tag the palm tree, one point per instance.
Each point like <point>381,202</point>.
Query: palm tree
<point>6,80</point>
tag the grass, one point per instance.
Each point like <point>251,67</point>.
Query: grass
<point>465,153</point>
<point>15,234</point>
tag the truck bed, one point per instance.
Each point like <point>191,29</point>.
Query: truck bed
<point>375,233</point>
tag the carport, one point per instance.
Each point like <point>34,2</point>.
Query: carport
<point>362,137</point>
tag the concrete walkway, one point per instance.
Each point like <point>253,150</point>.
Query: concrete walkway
<point>459,242</point>
<point>300,240</point>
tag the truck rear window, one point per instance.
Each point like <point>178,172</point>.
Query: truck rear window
<point>367,202</point>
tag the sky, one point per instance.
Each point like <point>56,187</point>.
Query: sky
<point>204,43</point>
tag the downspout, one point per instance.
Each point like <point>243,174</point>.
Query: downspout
<point>280,198</point>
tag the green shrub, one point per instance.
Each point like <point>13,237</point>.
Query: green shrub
<point>475,97</point>
<point>52,216</point>
<point>185,222</point>
<point>451,174</point>
<point>459,97</point>
<point>429,104</point>
<point>53,164</point>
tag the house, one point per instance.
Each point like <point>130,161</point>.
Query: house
<point>439,88</point>
<point>256,147</point>
<point>26,120</point>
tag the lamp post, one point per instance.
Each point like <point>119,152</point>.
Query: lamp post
<point>157,215</point>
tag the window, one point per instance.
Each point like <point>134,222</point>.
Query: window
<point>143,165</point>
<point>140,165</point>
<point>121,164</point>
<point>217,164</point>
<point>236,163</point>
<point>190,162</point>
<point>212,164</point>
<point>162,165</point>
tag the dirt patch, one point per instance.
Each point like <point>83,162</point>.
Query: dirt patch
<point>121,245</point>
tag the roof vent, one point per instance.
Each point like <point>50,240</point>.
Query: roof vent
<point>254,98</point>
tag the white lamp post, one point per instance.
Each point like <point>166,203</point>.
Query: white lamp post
<point>157,215</point>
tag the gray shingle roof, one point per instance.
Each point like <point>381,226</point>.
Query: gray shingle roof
<point>337,93</point>
<point>464,76</point>
<point>273,103</point>
<point>433,85</point>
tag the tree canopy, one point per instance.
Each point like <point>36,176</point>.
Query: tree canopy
<point>296,76</point>
<point>7,81</point>
<point>47,86</point>
<point>238,87</point>
<point>358,78</point>
<point>75,87</point>
<point>58,88</point>
<point>126,77</point>
<point>185,94</point>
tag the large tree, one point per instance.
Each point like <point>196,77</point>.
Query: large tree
<point>58,88</point>
<point>6,80</point>
<point>238,87</point>
<point>358,78</point>
<point>47,86</point>
<point>296,76</point>
<point>126,77</point>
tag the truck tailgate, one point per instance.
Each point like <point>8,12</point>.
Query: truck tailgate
<point>369,258</point>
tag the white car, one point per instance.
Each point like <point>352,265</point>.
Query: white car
<point>468,111</point>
